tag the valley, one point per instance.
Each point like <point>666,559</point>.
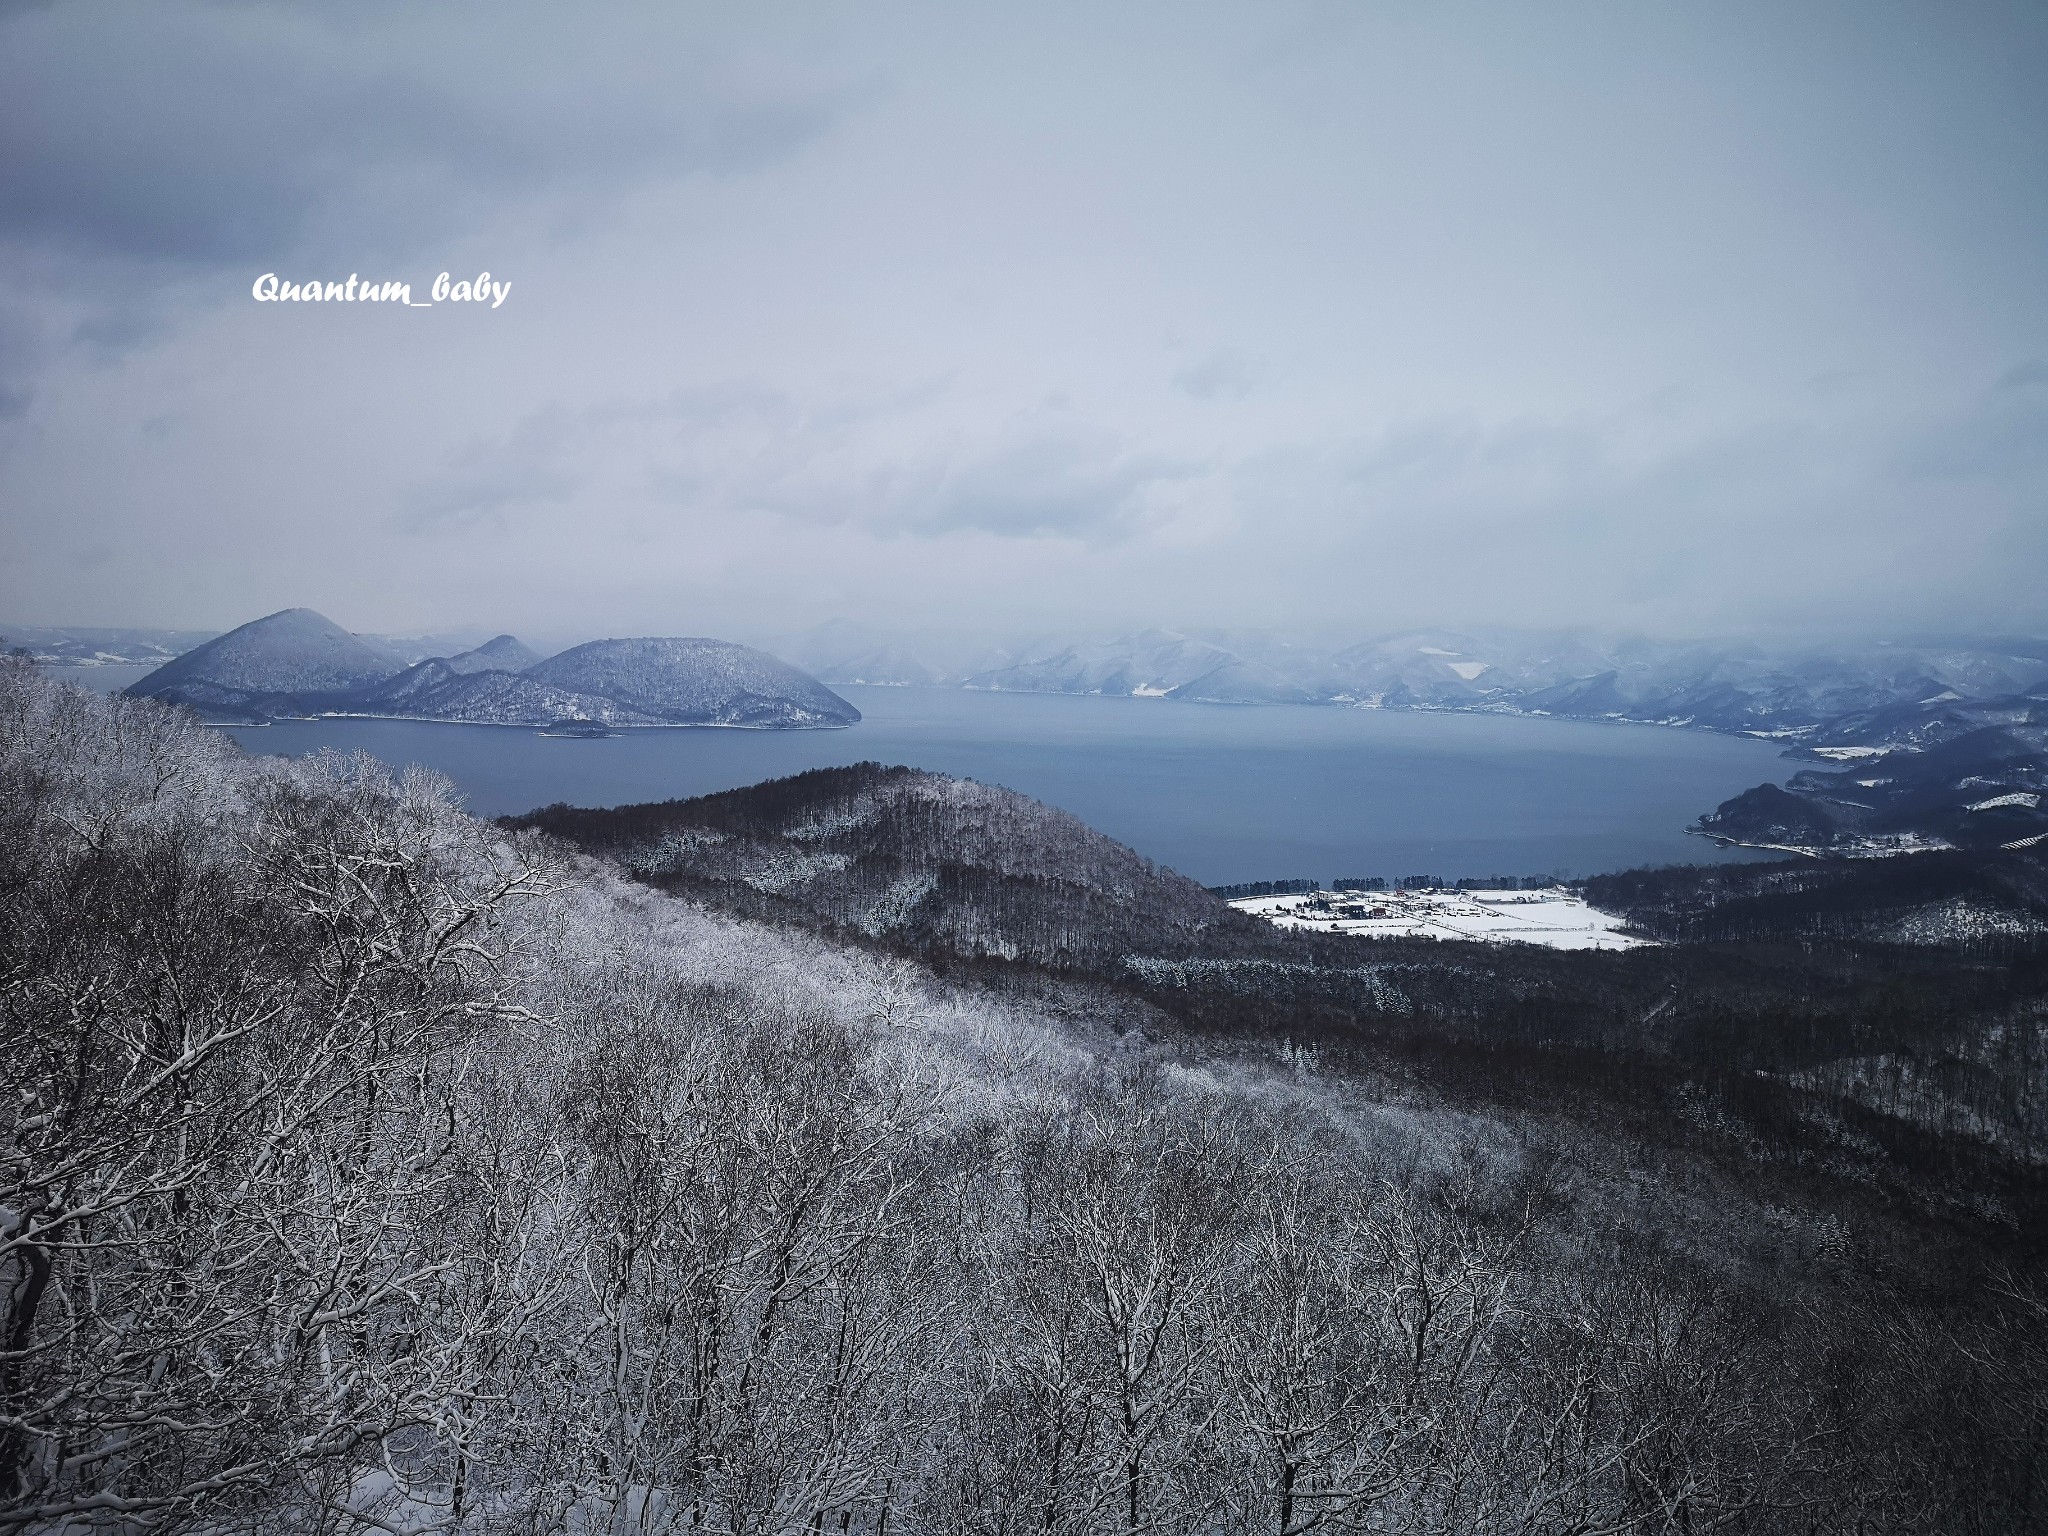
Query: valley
<point>833,1107</point>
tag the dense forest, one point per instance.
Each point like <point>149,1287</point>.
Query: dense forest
<point>1908,989</point>
<point>1981,788</point>
<point>871,1152</point>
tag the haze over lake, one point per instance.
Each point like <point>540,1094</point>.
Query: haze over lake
<point>1217,792</point>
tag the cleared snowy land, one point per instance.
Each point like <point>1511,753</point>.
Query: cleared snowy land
<point>1553,917</point>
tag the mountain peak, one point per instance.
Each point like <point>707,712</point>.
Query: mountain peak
<point>501,653</point>
<point>692,680</point>
<point>294,652</point>
<point>298,662</point>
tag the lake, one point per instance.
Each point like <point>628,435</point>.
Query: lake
<point>1219,792</point>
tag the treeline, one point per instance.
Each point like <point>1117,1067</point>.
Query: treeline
<point>1902,989</point>
<point>1379,883</point>
<point>1980,903</point>
<point>1923,1039</point>
<point>369,1169</point>
<point>926,862</point>
<point>1246,888</point>
<point>1979,790</point>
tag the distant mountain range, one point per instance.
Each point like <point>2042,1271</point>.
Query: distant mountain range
<point>1921,744</point>
<point>101,647</point>
<point>1804,696</point>
<point>1813,697</point>
<point>131,646</point>
<point>299,663</point>
<point>1947,742</point>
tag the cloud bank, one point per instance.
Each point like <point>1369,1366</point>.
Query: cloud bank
<point>1339,318</point>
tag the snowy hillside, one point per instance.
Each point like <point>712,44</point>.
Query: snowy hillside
<point>695,681</point>
<point>1825,703</point>
<point>101,647</point>
<point>911,856</point>
<point>844,652</point>
<point>1154,663</point>
<point>293,655</point>
<point>1981,789</point>
<point>298,663</point>
<point>1794,691</point>
<point>1940,716</point>
<point>501,654</point>
<point>373,1169</point>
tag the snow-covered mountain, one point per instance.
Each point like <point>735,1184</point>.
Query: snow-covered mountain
<point>295,658</point>
<point>424,688</point>
<point>1941,714</point>
<point>1813,696</point>
<point>844,652</point>
<point>1746,686</point>
<point>299,663</point>
<point>504,653</point>
<point>694,681</point>
<point>91,647</point>
<point>1153,663</point>
<point>1242,681</point>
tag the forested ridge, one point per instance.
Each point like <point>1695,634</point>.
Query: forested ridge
<point>371,1168</point>
<point>1907,991</point>
<point>933,864</point>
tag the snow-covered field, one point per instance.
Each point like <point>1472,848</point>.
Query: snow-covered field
<point>1552,917</point>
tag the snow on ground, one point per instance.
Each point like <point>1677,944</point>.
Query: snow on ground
<point>2029,801</point>
<point>1845,754</point>
<point>1883,847</point>
<point>1553,917</point>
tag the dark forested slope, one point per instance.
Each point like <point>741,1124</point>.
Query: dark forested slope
<point>1983,789</point>
<point>1971,900</point>
<point>917,858</point>
<point>367,1168</point>
<point>1909,994</point>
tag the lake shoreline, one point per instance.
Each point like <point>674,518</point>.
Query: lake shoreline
<point>1789,740</point>
<point>1221,795</point>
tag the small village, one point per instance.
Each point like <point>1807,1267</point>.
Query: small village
<point>1552,916</point>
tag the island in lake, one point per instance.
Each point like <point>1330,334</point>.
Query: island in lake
<point>300,664</point>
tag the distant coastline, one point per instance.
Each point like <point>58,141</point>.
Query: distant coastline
<point>539,727</point>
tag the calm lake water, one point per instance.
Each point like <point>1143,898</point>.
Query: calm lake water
<point>1217,792</point>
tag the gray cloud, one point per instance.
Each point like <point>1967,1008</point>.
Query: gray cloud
<point>484,479</point>
<point>875,466</point>
<point>1051,486</point>
<point>1683,319</point>
<point>199,133</point>
<point>1225,371</point>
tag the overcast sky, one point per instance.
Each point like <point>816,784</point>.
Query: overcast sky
<point>1680,317</point>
